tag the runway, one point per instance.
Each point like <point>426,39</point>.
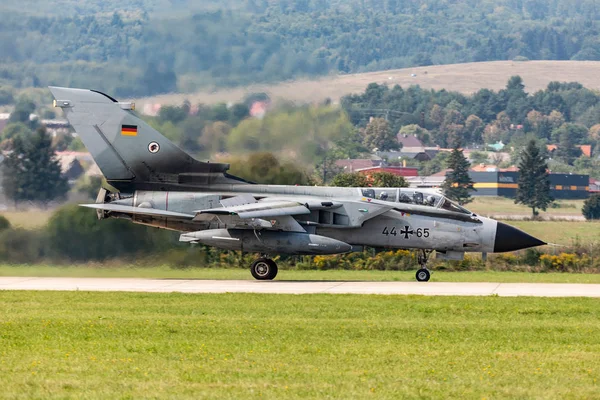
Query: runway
<point>301,287</point>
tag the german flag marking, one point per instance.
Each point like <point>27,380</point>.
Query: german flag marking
<point>129,130</point>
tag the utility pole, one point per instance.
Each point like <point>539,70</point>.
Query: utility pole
<point>325,169</point>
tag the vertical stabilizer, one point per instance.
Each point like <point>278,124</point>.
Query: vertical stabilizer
<point>129,152</point>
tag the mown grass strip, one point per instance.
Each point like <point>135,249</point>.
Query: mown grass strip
<point>108,271</point>
<point>134,345</point>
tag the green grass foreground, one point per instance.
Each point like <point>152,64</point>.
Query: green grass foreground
<point>107,271</point>
<point>141,345</point>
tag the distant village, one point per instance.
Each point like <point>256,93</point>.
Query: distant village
<point>490,179</point>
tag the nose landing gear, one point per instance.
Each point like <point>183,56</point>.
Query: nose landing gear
<point>264,269</point>
<point>423,273</point>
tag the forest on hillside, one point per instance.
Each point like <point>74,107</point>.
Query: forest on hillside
<point>146,47</point>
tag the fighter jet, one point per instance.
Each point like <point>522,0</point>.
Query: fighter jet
<point>160,185</point>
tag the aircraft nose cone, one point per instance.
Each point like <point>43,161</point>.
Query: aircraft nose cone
<point>509,238</point>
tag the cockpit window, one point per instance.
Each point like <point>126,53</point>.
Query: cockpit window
<point>419,198</point>
<point>450,206</point>
<point>370,193</point>
<point>412,196</point>
<point>429,199</point>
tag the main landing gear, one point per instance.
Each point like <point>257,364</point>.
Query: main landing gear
<point>423,273</point>
<point>264,269</point>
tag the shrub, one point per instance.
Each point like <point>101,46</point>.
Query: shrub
<point>4,223</point>
<point>21,246</point>
<point>563,262</point>
<point>531,257</point>
<point>591,207</point>
<point>470,263</point>
<point>75,233</point>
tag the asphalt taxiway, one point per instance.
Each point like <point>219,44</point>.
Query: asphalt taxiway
<point>302,287</point>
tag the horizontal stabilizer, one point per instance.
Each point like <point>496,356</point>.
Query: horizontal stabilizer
<point>264,209</point>
<point>137,210</point>
<point>240,200</point>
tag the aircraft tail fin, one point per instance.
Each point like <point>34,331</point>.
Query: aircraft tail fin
<point>129,152</point>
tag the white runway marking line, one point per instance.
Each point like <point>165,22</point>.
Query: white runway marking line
<point>302,287</point>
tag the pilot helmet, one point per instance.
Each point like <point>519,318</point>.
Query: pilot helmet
<point>430,200</point>
<point>383,196</point>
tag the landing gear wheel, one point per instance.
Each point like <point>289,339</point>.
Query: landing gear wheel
<point>264,269</point>
<point>423,275</point>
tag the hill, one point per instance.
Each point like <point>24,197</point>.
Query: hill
<point>465,78</point>
<point>147,47</point>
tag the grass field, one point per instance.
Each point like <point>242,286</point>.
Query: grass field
<point>564,233</point>
<point>125,345</point>
<point>331,275</point>
<point>490,206</point>
<point>30,219</point>
<point>465,78</point>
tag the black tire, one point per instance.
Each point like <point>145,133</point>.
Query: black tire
<point>264,269</point>
<point>423,275</point>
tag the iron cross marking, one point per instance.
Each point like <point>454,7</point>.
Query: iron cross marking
<point>406,232</point>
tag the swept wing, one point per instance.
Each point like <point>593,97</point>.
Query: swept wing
<point>263,209</point>
<point>137,210</point>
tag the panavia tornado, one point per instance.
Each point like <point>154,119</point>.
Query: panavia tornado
<point>158,184</point>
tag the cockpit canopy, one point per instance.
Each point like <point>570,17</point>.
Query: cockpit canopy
<point>413,196</point>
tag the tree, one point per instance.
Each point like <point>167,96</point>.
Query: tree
<point>577,133</point>
<point>594,132</point>
<point>534,183</point>
<point>14,129</point>
<point>387,179</point>
<point>479,157</point>
<point>23,109</point>
<point>31,171</point>
<point>379,135</point>
<point>6,95</point>
<point>351,179</point>
<point>436,115</point>
<point>239,111</point>
<point>515,86</point>
<point>62,141</point>
<point>172,114</point>
<point>455,132</point>
<point>214,137</point>
<point>591,207</point>
<point>539,123</point>
<point>4,223</point>
<point>458,183</point>
<point>434,165</point>
<point>89,185</point>
<point>503,121</point>
<point>556,119</point>
<point>474,129</point>
<point>327,168</point>
<point>158,78</point>
<point>566,150</point>
<point>306,133</point>
<point>265,168</point>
